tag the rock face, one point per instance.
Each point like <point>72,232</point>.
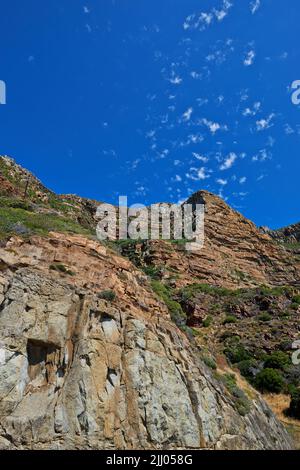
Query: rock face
<point>235,253</point>
<point>290,234</point>
<point>78,371</point>
<point>90,357</point>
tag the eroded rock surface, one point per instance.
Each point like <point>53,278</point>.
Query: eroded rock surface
<point>77,371</point>
<point>235,252</point>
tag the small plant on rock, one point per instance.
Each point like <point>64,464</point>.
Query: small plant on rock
<point>108,295</point>
<point>229,319</point>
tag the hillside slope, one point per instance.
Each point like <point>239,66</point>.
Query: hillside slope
<point>80,371</point>
<point>98,350</point>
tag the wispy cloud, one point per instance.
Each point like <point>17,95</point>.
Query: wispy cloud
<point>228,162</point>
<point>254,6</point>
<point>266,123</point>
<point>197,174</point>
<point>249,59</point>
<point>188,114</point>
<point>175,80</point>
<point>203,19</point>
<point>262,155</point>
<point>199,157</point>
<point>213,126</point>
<point>252,111</point>
<point>221,181</point>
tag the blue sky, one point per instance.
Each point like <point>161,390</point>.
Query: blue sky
<point>156,99</point>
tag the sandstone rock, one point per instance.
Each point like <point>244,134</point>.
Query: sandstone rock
<point>235,252</point>
<point>77,371</point>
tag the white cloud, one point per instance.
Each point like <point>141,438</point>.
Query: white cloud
<point>288,129</point>
<point>175,80</point>
<point>206,18</point>
<point>192,139</point>
<point>242,180</point>
<point>263,124</point>
<point>202,101</point>
<point>163,153</point>
<point>188,114</point>
<point>199,157</point>
<point>221,181</point>
<point>197,174</point>
<point>220,51</point>
<point>271,141</point>
<point>110,153</point>
<point>254,6</point>
<point>86,9</point>
<point>141,191</point>
<point>202,20</point>
<point>229,161</point>
<point>262,155</point>
<point>177,178</point>
<point>212,126</point>
<point>195,75</point>
<point>249,59</point>
<point>253,111</point>
<point>284,56</point>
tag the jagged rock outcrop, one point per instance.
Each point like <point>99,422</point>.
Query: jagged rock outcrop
<point>289,234</point>
<point>235,252</point>
<point>78,371</point>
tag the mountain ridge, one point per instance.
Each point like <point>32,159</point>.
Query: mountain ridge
<point>99,340</point>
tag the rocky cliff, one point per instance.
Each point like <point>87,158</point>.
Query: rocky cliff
<point>79,371</point>
<point>235,253</point>
<point>95,347</point>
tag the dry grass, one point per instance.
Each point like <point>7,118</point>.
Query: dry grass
<point>224,368</point>
<point>279,403</point>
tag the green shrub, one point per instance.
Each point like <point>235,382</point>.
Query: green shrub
<point>229,319</point>
<point>210,362</point>
<point>61,268</point>
<point>265,316</point>
<point>284,314</point>
<point>175,309</point>
<point>277,360</point>
<point>58,267</point>
<point>108,295</point>
<point>190,291</point>
<point>269,380</point>
<point>241,401</point>
<point>294,409</point>
<point>188,331</point>
<point>247,368</point>
<point>296,299</point>
<point>152,271</point>
<point>14,203</point>
<point>292,375</point>
<point>230,381</point>
<point>274,291</point>
<point>236,352</point>
<point>294,306</point>
<point>37,223</point>
<point>207,321</point>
